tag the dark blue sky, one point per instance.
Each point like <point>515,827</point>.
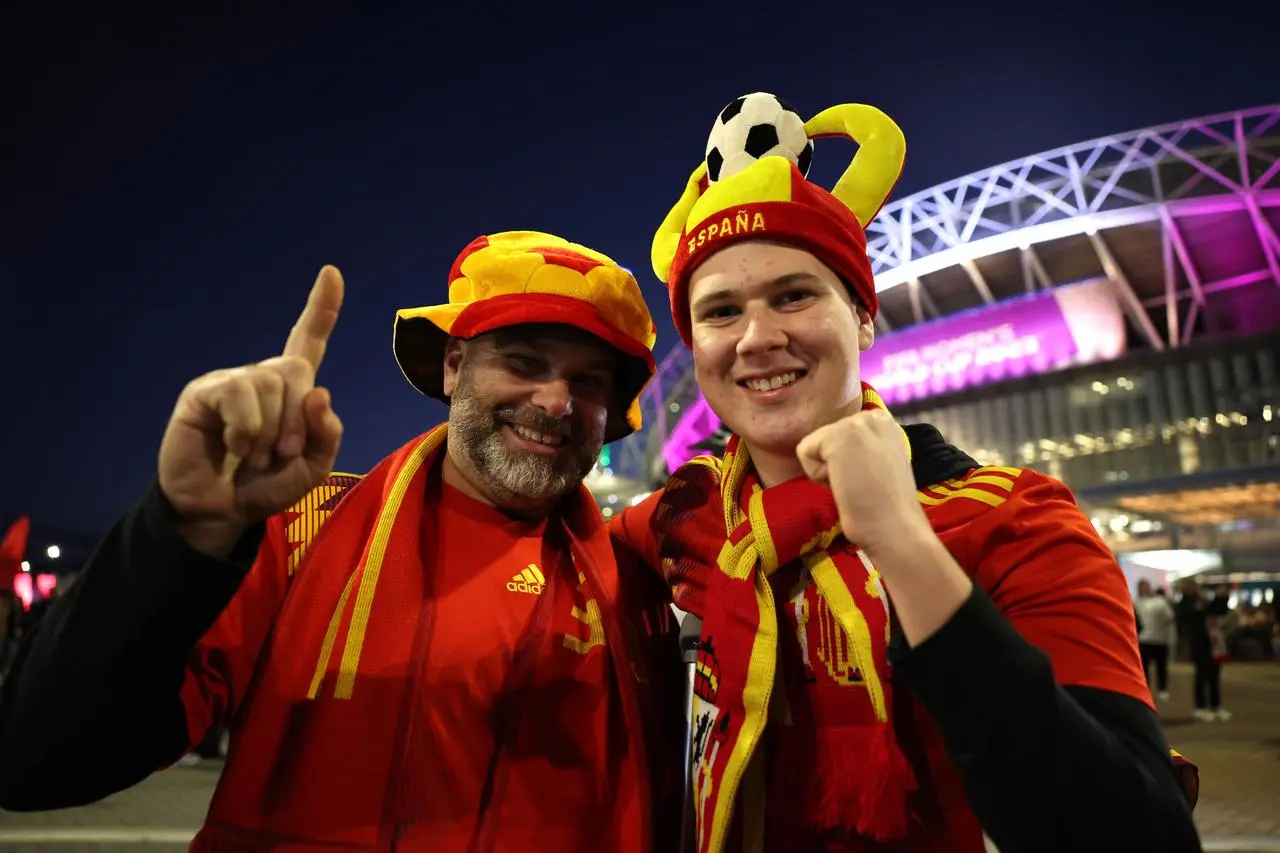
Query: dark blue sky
<point>169,185</point>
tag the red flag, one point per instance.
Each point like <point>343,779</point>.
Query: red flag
<point>13,550</point>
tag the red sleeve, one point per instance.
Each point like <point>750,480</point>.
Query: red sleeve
<point>1046,569</point>
<point>633,529</point>
<point>223,662</point>
<point>221,665</point>
<point>680,530</point>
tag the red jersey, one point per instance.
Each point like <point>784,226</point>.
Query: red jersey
<point>491,573</point>
<point>454,677</point>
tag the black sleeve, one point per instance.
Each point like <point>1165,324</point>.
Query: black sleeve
<point>1045,767</point>
<point>93,702</point>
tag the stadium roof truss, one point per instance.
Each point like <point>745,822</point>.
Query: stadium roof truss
<point>1169,178</point>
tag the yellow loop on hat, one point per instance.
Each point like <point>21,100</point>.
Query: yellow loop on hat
<point>662,252</point>
<point>882,149</point>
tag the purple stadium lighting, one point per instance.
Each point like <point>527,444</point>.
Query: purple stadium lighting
<point>1075,324</point>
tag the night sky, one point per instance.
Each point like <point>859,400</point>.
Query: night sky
<point>170,184</point>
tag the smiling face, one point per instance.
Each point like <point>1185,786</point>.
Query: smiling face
<point>527,414</point>
<point>776,346</point>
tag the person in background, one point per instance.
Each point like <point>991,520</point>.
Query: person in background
<point>1157,621</point>
<point>1252,637</point>
<point>1266,628</point>
<point>1200,622</point>
<point>1173,639</point>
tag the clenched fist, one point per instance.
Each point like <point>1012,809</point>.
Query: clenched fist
<point>248,442</point>
<point>863,458</point>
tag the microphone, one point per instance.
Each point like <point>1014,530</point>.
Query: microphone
<point>690,636</point>
<point>690,639</point>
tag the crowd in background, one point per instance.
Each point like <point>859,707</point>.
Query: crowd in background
<point>1204,629</point>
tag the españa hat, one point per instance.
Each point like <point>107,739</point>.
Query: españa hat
<point>518,277</point>
<point>771,200</point>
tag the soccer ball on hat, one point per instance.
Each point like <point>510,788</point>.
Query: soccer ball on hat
<point>754,126</point>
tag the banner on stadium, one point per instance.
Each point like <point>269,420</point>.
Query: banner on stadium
<point>1063,327</point>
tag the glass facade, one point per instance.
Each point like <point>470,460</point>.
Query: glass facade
<point>1209,407</point>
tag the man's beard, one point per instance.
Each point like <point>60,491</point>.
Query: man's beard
<point>476,429</point>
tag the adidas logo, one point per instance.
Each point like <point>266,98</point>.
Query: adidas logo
<point>529,580</point>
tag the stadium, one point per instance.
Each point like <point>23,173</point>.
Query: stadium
<point>1104,312</point>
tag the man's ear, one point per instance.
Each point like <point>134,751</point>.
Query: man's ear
<point>866,328</point>
<point>454,349</point>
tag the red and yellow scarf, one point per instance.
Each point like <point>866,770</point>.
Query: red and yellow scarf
<point>843,767</point>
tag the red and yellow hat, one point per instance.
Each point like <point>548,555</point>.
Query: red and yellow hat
<point>771,200</point>
<point>520,277</point>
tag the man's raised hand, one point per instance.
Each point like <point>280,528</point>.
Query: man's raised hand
<point>245,443</point>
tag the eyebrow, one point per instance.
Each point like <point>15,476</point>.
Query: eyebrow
<point>786,280</point>
<point>603,364</point>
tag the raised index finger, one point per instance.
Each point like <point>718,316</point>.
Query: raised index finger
<point>310,335</point>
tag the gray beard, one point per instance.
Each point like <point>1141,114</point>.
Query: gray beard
<point>477,431</point>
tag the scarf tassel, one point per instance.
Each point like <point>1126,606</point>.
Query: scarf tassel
<point>843,794</point>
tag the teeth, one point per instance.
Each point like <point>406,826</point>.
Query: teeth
<point>771,384</point>
<point>534,435</point>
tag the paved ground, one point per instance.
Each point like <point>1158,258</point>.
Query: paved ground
<point>1239,761</point>
<point>158,816</point>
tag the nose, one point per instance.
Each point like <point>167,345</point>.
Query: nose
<point>762,334</point>
<point>554,397</point>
